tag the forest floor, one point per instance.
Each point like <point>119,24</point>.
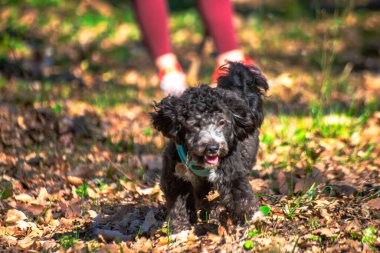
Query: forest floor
<point>79,160</point>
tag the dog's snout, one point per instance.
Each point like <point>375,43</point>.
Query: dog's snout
<point>212,148</point>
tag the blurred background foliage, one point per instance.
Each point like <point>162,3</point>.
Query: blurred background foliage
<point>313,52</point>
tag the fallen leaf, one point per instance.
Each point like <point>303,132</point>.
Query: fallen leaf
<point>25,244</point>
<point>74,180</point>
<point>13,216</point>
<point>282,182</point>
<point>7,160</point>
<point>149,191</point>
<point>92,213</point>
<point>110,235</point>
<point>149,222</point>
<point>31,209</point>
<point>43,195</point>
<point>34,159</point>
<point>373,204</point>
<point>71,209</point>
<point>129,186</point>
<point>83,170</point>
<point>163,241</point>
<point>328,232</point>
<point>23,225</point>
<point>24,198</point>
<point>48,216</point>
<point>212,195</point>
<point>21,122</point>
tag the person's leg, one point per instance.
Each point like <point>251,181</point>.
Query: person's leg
<point>218,19</point>
<point>152,16</point>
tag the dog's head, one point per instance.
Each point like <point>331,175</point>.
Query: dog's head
<point>207,121</point>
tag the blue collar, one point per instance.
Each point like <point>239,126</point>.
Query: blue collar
<point>189,164</point>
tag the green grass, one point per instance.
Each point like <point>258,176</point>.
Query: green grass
<point>67,241</point>
<point>248,244</point>
<point>315,238</point>
<point>309,196</point>
<point>82,190</point>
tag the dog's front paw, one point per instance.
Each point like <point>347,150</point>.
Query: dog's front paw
<point>178,227</point>
<point>181,236</point>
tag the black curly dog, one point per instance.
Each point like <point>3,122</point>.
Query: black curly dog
<point>217,132</point>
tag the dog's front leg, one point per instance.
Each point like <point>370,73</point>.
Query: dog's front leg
<point>244,201</point>
<point>178,193</point>
<point>237,196</point>
<point>181,213</point>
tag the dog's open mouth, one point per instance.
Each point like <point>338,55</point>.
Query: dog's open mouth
<point>212,159</point>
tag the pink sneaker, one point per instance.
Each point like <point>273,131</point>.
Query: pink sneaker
<point>247,61</point>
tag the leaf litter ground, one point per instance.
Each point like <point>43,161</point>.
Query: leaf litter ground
<point>80,162</point>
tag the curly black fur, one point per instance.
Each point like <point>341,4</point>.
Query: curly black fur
<point>219,127</point>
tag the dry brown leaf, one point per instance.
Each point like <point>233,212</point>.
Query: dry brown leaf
<point>23,225</point>
<point>149,222</point>
<point>282,182</point>
<point>48,216</point>
<point>71,209</point>
<point>326,215</point>
<point>163,241</point>
<point>49,246</point>
<point>111,234</point>
<point>373,204</point>
<point>31,209</point>
<point>13,216</point>
<point>92,213</point>
<point>120,247</point>
<point>147,246</point>
<point>328,232</point>
<point>24,198</point>
<point>84,170</point>
<point>129,186</point>
<point>302,185</point>
<point>10,240</point>
<point>7,160</point>
<point>74,180</point>
<point>25,244</point>
<point>212,195</point>
<point>92,194</point>
<point>43,195</point>
<point>21,123</point>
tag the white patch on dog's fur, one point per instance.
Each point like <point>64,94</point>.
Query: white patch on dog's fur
<point>213,133</point>
<point>213,176</point>
<point>181,236</point>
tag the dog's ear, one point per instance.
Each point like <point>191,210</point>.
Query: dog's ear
<point>247,81</point>
<point>164,118</point>
<point>244,120</point>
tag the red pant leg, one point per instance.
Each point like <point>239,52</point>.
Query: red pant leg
<point>152,16</point>
<point>217,16</point>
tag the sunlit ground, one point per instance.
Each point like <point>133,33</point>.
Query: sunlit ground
<point>79,158</point>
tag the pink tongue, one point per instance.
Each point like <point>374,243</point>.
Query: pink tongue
<point>212,159</point>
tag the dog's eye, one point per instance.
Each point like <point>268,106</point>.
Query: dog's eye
<point>221,123</point>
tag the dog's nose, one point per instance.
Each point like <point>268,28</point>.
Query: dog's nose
<point>212,148</point>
